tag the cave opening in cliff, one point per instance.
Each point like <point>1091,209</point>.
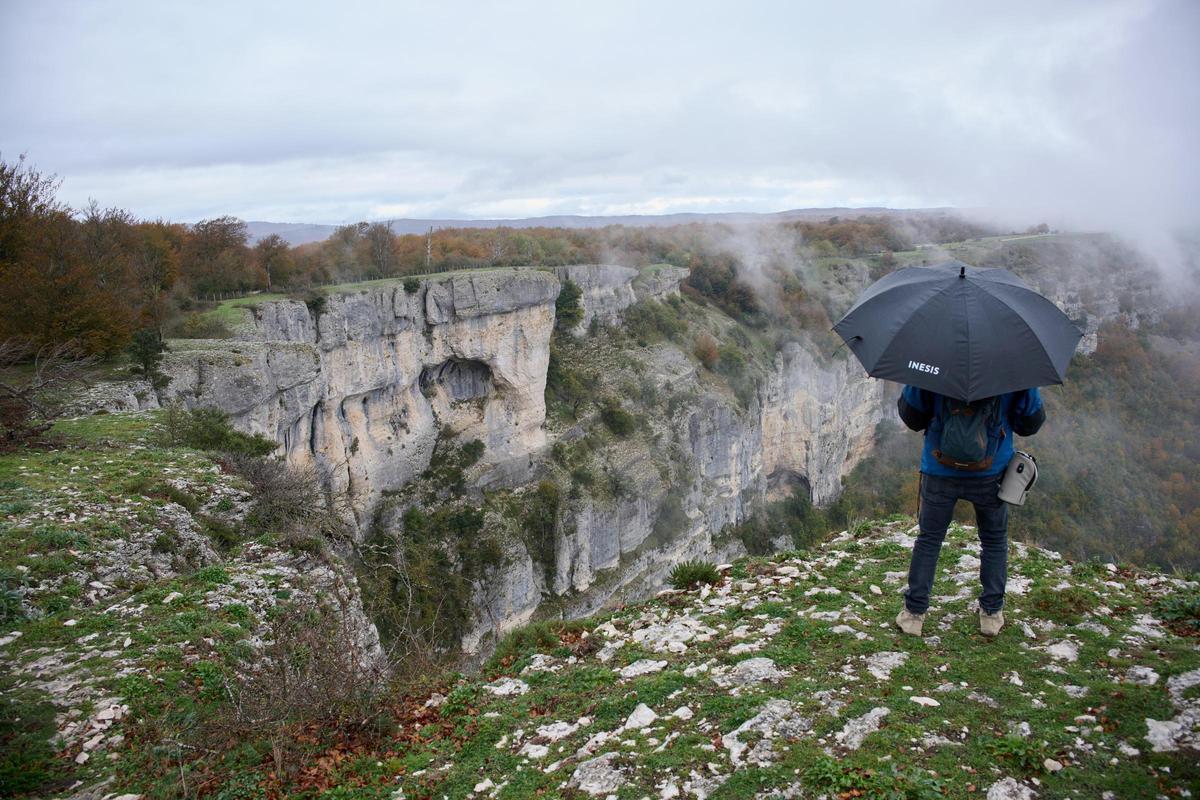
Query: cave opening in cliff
<point>460,378</point>
<point>783,483</point>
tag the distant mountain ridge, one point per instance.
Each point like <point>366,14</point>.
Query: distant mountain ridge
<point>295,233</point>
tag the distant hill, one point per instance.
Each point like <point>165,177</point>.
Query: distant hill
<point>301,232</point>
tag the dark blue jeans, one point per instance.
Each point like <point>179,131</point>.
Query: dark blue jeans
<point>938,498</point>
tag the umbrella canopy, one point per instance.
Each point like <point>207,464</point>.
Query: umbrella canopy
<point>960,331</point>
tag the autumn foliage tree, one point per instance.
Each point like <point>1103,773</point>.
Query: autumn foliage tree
<point>53,290</point>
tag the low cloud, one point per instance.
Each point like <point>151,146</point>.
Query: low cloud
<point>1082,114</point>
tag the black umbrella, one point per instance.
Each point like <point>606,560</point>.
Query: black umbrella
<point>960,331</point>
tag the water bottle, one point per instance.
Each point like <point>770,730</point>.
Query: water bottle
<point>1018,478</point>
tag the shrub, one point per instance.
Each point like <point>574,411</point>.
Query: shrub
<point>650,321</point>
<point>290,500</point>
<point>616,418</point>
<point>28,760</point>
<point>690,574</point>
<point>535,637</point>
<point>449,463</point>
<point>567,310</point>
<point>411,285</point>
<point>730,362</point>
<point>145,351</point>
<point>209,429</point>
<point>540,518</point>
<point>706,351</point>
<point>316,302</point>
<point>1025,754</point>
<point>12,584</point>
<point>1181,612</point>
<point>566,389</point>
<point>583,477</point>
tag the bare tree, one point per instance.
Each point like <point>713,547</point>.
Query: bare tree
<point>382,248</point>
<point>34,383</point>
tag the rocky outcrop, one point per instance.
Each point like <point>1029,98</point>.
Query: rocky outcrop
<point>659,282</point>
<point>818,421</point>
<point>814,423</point>
<point>606,291</point>
<point>114,397</point>
<point>362,386</point>
<point>362,390</point>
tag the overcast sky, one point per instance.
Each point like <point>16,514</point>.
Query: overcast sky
<point>334,112</point>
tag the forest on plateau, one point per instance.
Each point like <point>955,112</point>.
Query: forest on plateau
<point>98,275</point>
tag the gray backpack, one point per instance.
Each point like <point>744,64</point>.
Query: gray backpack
<point>970,433</point>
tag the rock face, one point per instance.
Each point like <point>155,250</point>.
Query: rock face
<point>607,290</point>
<point>115,397</point>
<point>818,421</point>
<point>361,387</point>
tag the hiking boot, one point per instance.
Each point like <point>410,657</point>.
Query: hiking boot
<point>909,622</point>
<point>990,624</point>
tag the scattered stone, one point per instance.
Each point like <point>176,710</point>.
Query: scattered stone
<point>750,671</point>
<point>534,750</point>
<point>1063,651</point>
<point>777,719</point>
<point>979,697</point>
<point>702,786</point>
<point>875,589</point>
<point>1009,789</point>
<point>641,717</point>
<point>881,664</point>
<point>929,702</point>
<point>853,733</point>
<point>643,666</point>
<point>561,730</point>
<point>1146,625</point>
<point>505,687</point>
<point>1094,627</point>
<point>598,776</point>
<point>1052,765</point>
<point>1141,676</point>
<point>666,638</point>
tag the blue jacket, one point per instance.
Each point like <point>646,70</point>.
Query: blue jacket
<point>1020,413</point>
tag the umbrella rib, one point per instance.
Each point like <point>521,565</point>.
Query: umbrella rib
<point>967,324</point>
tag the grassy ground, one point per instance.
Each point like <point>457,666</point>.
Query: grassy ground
<point>1054,703</point>
<point>1059,702</point>
<point>1056,684</point>
<point>129,584</point>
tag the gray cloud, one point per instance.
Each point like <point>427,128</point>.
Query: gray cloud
<point>1083,113</point>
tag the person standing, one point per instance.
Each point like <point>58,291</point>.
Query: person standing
<point>967,449</point>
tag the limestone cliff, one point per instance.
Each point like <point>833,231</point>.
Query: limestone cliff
<point>361,385</point>
<point>818,421</point>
